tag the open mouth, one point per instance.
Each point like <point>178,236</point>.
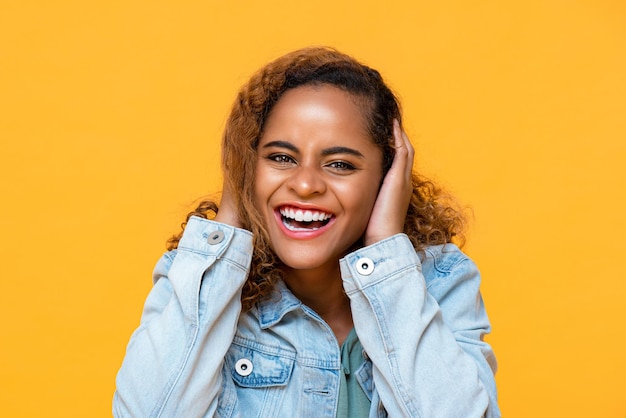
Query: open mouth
<point>304,219</point>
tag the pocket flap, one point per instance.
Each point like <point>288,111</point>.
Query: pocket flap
<point>254,365</point>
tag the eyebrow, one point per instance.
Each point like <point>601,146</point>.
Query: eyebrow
<point>325,152</point>
<point>341,150</point>
<point>281,144</point>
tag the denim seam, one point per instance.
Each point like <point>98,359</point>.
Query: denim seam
<point>360,287</point>
<point>391,356</point>
<point>240,266</point>
<point>265,349</point>
<point>447,274</point>
<point>161,406</point>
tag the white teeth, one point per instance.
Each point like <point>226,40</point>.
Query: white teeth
<point>294,228</point>
<point>300,215</point>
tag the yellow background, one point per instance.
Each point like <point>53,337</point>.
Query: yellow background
<point>110,116</point>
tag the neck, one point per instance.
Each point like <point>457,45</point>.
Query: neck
<point>323,292</point>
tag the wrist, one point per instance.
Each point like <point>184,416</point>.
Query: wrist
<point>228,218</point>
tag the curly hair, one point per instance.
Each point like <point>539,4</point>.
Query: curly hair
<point>432,217</point>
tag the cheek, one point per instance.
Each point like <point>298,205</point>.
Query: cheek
<point>366,191</point>
<point>259,194</point>
<point>359,199</point>
<point>265,184</point>
<point>366,204</point>
<point>260,182</point>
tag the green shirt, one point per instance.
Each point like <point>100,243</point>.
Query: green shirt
<point>353,402</point>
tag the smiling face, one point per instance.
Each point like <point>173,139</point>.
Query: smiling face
<point>317,176</point>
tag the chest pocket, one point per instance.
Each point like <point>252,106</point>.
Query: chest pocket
<point>254,365</point>
<point>255,378</point>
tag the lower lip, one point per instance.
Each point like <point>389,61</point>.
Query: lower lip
<point>301,234</point>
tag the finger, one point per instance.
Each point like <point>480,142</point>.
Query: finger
<point>407,143</point>
<point>397,134</point>
<point>399,144</point>
<point>404,149</point>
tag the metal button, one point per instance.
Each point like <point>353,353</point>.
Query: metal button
<point>243,367</point>
<point>216,237</point>
<point>365,266</point>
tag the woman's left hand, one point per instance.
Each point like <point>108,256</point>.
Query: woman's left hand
<point>393,199</point>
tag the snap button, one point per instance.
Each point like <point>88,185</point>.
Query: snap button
<point>365,266</point>
<point>243,367</point>
<point>216,237</point>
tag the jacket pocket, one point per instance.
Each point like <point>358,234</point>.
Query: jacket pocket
<point>255,365</point>
<point>255,380</point>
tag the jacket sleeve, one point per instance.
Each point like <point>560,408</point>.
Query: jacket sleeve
<point>188,323</point>
<point>425,341</point>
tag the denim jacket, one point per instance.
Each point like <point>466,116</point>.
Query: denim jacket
<point>420,319</point>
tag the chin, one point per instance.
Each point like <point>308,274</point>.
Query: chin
<point>297,263</point>
<point>303,260</point>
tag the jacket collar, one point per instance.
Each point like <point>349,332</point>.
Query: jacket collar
<point>273,308</point>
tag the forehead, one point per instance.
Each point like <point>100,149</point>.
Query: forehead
<point>319,106</point>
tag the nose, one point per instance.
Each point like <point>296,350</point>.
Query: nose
<point>306,181</point>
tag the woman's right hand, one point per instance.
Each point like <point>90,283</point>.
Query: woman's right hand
<point>227,212</point>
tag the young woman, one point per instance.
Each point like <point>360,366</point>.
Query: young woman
<point>327,283</point>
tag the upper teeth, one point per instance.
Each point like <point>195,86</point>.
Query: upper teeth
<point>304,215</point>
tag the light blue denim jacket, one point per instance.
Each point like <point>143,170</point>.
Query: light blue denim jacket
<point>420,320</point>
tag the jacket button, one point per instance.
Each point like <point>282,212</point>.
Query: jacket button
<point>216,237</point>
<point>365,266</point>
<point>243,367</point>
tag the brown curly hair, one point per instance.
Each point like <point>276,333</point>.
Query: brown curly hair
<point>432,217</point>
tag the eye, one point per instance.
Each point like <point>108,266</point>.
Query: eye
<point>282,159</point>
<point>341,166</point>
